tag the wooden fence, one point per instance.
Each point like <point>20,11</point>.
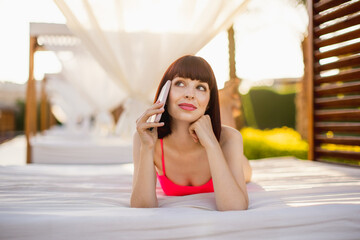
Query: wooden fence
<point>334,92</point>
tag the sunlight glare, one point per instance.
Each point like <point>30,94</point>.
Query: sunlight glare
<point>46,62</point>
<point>217,56</point>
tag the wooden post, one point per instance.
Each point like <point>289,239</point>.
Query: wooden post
<point>44,108</point>
<point>52,119</point>
<point>30,108</point>
<point>229,96</point>
<point>309,69</point>
<point>301,95</point>
<point>232,62</point>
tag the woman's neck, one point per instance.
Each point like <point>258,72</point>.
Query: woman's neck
<point>180,136</point>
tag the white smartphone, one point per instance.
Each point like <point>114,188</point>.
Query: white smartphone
<point>162,98</point>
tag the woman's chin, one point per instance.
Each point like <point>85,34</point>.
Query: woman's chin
<point>186,118</point>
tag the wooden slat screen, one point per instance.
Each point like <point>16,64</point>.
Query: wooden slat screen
<point>334,32</point>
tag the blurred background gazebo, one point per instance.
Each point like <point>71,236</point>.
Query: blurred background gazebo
<point>261,52</point>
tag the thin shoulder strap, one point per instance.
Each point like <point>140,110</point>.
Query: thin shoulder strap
<point>162,156</point>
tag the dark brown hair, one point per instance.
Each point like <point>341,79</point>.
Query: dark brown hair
<point>195,68</point>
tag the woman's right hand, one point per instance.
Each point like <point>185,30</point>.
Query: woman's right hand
<point>148,130</point>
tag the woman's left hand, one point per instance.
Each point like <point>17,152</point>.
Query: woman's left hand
<point>201,131</point>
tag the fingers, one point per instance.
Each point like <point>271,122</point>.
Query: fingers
<point>151,125</point>
<point>142,125</point>
<point>148,126</point>
<point>154,109</point>
<point>193,134</point>
<point>200,128</point>
<point>194,137</point>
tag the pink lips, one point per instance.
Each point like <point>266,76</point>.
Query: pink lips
<point>187,106</point>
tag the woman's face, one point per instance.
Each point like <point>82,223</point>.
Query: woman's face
<point>188,99</point>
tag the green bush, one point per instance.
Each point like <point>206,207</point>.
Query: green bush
<point>20,115</point>
<point>267,108</point>
<point>273,143</point>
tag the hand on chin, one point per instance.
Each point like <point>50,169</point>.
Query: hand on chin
<point>201,131</point>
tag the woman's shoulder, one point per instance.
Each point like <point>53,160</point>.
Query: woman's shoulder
<point>230,138</point>
<point>229,131</point>
<point>229,134</point>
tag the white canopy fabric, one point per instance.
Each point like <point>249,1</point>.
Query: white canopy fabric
<point>81,74</point>
<point>89,78</point>
<point>86,75</point>
<point>73,109</point>
<point>63,96</point>
<point>135,40</point>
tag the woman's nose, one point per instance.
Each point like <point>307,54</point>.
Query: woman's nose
<point>189,94</point>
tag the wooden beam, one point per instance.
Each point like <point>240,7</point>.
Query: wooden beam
<point>339,127</point>
<point>343,76</point>
<point>344,50</point>
<point>310,86</point>
<point>338,154</point>
<point>338,88</point>
<point>343,62</point>
<point>52,119</point>
<point>326,4</point>
<point>346,140</point>
<point>337,39</point>
<point>30,108</point>
<point>232,63</point>
<point>338,115</point>
<point>44,108</point>
<point>337,13</point>
<point>341,101</point>
<point>50,29</point>
<point>347,22</point>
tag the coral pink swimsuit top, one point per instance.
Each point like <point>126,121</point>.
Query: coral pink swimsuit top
<point>172,189</point>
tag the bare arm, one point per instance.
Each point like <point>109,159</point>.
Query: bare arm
<point>246,166</point>
<point>228,178</point>
<point>144,178</point>
<point>226,165</point>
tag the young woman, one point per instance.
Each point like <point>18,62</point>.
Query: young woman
<point>189,151</point>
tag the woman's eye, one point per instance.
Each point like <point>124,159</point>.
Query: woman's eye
<point>179,83</point>
<point>201,88</point>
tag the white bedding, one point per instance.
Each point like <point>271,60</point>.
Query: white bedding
<point>80,149</point>
<point>289,199</point>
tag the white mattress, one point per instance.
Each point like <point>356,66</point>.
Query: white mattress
<point>65,148</point>
<point>289,199</point>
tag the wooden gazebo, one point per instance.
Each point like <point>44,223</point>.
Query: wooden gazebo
<point>60,36</point>
<point>332,80</point>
